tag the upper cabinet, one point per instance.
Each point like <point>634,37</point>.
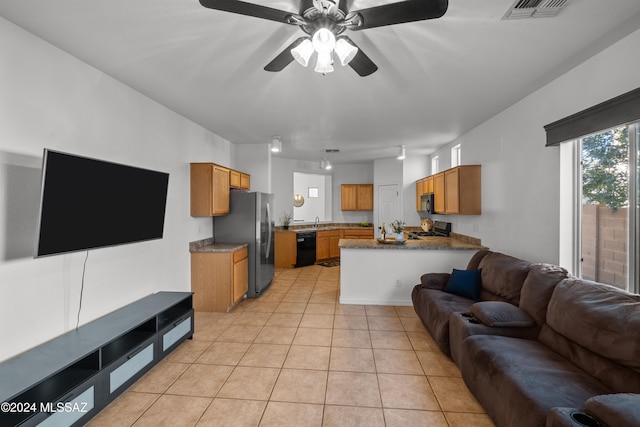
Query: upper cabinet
<point>209,189</point>
<point>455,191</point>
<point>210,184</point>
<point>462,190</point>
<point>357,197</point>
<point>239,180</point>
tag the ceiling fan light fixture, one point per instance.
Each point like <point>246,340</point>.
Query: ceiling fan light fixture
<point>302,53</point>
<point>324,41</point>
<point>345,51</point>
<point>324,64</point>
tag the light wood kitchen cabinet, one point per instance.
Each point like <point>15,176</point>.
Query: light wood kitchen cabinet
<point>427,185</point>
<point>365,233</point>
<point>423,186</point>
<point>245,181</point>
<point>239,180</point>
<point>463,190</point>
<point>219,280</point>
<point>209,189</point>
<point>438,193</point>
<point>327,244</point>
<point>285,248</point>
<point>356,197</point>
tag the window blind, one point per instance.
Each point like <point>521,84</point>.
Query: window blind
<point>616,111</point>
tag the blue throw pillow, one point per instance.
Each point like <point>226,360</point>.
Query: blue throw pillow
<point>466,283</point>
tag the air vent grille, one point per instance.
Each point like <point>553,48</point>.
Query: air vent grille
<point>522,9</point>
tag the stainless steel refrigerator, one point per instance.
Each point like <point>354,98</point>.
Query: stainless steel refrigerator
<point>250,220</point>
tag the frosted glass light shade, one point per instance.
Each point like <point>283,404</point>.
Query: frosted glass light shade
<point>325,63</point>
<point>345,50</point>
<point>302,53</point>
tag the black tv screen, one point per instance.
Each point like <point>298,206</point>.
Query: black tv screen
<point>88,203</point>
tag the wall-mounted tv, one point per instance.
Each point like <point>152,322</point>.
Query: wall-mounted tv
<point>87,203</point>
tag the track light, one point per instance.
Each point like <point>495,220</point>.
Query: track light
<point>276,144</point>
<point>324,164</point>
<point>402,153</point>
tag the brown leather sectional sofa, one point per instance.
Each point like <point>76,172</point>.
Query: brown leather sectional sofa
<point>539,347</point>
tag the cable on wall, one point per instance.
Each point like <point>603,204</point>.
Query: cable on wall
<point>84,269</point>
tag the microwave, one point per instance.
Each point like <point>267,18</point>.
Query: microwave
<point>426,204</point>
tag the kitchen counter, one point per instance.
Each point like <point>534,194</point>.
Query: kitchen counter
<point>424,243</point>
<point>208,245</point>
<point>373,273</point>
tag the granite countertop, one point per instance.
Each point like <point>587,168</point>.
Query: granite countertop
<point>208,245</point>
<point>323,227</point>
<point>425,243</point>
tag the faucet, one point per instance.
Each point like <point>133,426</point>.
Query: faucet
<point>317,223</point>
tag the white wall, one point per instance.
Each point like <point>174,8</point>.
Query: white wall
<point>520,176</point>
<point>282,185</point>
<point>255,159</point>
<point>50,99</point>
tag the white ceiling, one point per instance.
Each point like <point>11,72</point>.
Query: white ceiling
<point>437,79</point>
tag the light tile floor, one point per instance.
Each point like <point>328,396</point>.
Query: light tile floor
<point>296,357</point>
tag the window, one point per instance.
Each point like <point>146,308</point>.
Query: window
<point>600,190</point>
<point>606,210</point>
<point>435,165</point>
<point>455,156</point>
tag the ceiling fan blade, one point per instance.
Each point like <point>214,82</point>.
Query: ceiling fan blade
<point>398,13</point>
<point>361,63</point>
<point>249,9</point>
<point>284,58</point>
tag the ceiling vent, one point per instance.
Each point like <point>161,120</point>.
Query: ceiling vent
<point>535,9</point>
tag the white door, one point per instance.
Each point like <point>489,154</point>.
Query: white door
<point>388,206</point>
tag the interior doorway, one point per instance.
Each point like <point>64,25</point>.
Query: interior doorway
<point>388,205</point>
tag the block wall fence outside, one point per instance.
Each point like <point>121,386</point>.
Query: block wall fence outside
<point>604,245</point>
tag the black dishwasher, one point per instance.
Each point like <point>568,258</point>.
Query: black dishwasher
<point>306,248</point>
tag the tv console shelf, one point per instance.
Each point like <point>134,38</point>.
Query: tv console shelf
<point>66,381</point>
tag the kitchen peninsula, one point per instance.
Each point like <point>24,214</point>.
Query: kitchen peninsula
<point>374,273</point>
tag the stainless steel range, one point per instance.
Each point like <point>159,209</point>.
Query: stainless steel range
<point>440,228</point>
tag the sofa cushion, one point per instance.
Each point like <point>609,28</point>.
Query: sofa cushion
<point>620,410</point>
<point>518,381</point>
<point>433,308</point>
<point>465,283</point>
<point>502,277</point>
<point>537,289</point>
<point>598,317</point>
<point>434,280</point>
<point>476,258</point>
<point>499,314</point>
<point>461,326</point>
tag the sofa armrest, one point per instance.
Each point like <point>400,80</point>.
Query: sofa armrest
<point>621,409</point>
<point>498,314</point>
<point>434,280</point>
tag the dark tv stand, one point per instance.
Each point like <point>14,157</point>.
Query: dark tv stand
<point>68,380</point>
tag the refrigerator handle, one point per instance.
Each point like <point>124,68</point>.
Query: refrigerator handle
<point>270,231</point>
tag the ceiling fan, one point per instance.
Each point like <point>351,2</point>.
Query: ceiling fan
<point>324,22</point>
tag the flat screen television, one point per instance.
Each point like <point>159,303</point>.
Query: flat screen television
<point>87,203</point>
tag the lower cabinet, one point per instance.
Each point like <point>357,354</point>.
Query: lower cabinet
<point>285,248</point>
<point>327,244</point>
<point>69,379</point>
<point>219,280</point>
